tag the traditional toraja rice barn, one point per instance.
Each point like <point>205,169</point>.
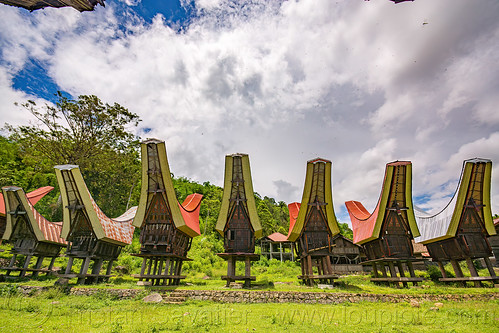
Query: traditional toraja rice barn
<point>32,235</point>
<point>494,242</point>
<point>33,198</point>
<point>386,234</point>
<point>91,235</point>
<point>459,232</point>
<point>80,5</point>
<point>166,227</point>
<point>238,220</point>
<point>313,226</point>
<point>277,246</point>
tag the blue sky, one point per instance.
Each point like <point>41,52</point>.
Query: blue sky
<point>360,83</point>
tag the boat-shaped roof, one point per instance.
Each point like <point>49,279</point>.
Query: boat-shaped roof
<point>247,187</point>
<point>367,226</point>
<point>317,186</point>
<point>33,197</point>
<point>75,195</point>
<point>474,184</point>
<point>156,178</point>
<point>16,202</point>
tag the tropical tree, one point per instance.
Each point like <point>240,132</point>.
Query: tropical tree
<point>88,133</point>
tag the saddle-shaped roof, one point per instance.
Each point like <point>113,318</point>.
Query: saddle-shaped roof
<point>317,192</point>
<point>75,196</point>
<point>156,179</point>
<point>17,203</point>
<point>473,190</point>
<point>247,188</point>
<point>397,187</point>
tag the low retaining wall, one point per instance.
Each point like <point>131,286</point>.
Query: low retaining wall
<point>242,296</point>
<point>255,296</point>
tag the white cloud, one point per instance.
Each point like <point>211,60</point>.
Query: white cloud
<point>359,83</point>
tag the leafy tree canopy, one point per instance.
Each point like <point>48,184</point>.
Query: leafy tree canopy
<point>88,133</point>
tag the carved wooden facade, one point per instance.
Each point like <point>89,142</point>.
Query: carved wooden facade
<point>387,233</point>
<point>166,227</point>
<point>460,231</point>
<point>31,234</point>
<point>91,235</point>
<point>238,220</point>
<point>313,224</point>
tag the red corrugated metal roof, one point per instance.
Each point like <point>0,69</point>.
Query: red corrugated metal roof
<point>190,211</point>
<point>33,197</point>
<point>278,237</point>
<point>293,208</point>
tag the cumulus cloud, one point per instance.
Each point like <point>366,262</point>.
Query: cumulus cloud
<point>359,83</point>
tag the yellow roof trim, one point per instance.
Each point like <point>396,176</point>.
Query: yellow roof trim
<point>461,198</point>
<point>250,197</point>
<point>224,208</point>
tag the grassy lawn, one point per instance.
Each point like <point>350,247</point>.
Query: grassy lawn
<point>53,311</point>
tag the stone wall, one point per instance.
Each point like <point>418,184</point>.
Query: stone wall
<point>246,296</point>
<point>243,296</point>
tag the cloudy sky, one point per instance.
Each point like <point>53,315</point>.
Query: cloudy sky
<point>360,83</point>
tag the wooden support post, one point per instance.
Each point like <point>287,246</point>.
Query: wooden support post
<point>109,268</point>
<point>149,266</point>
<point>303,264</point>
<point>442,269</point>
<point>155,270</point>
<point>69,266</point>
<point>174,281</point>
<point>328,264</point>
<point>96,270</point>
<point>167,267</point>
<point>280,251</point>
<point>271,250</point>
<point>489,266</point>
<point>12,263</point>
<point>179,270</point>
<point>143,268</point>
<point>375,270</point>
<point>26,265</point>
<point>401,272</point>
<point>83,271</point>
<point>172,271</point>
<point>231,269</point>
<point>458,271</point>
<point>310,271</point>
<point>39,262</point>
<point>318,263</point>
<point>247,272</point>
<point>411,272</point>
<point>383,269</point>
<point>51,265</point>
<point>473,271</point>
<point>393,273</point>
<point>157,281</point>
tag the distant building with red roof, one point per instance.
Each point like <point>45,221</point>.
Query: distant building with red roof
<point>277,246</point>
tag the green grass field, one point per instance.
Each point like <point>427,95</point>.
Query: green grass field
<point>53,311</point>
